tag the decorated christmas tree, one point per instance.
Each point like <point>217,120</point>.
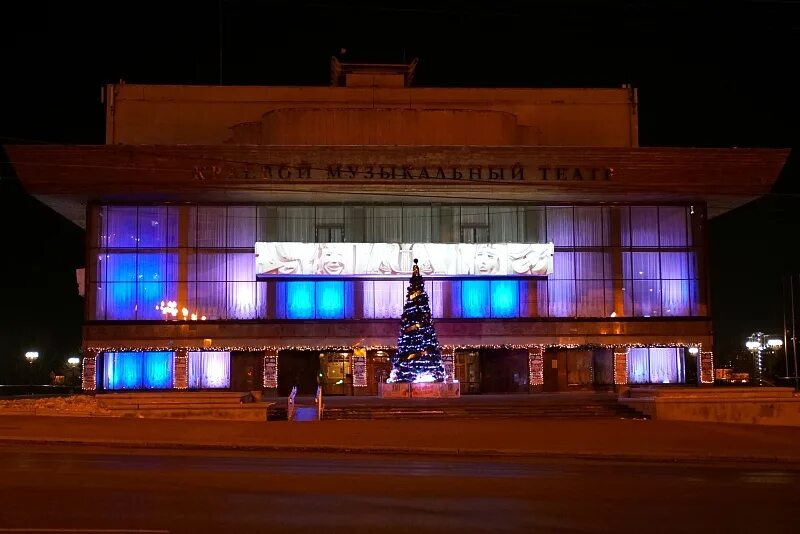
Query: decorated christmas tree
<point>418,358</point>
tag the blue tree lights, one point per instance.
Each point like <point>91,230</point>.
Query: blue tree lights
<point>418,357</point>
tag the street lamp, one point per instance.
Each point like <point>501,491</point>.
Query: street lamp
<point>31,356</point>
<point>73,362</point>
<point>774,344</point>
<point>758,343</point>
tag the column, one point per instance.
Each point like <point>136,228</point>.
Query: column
<point>705,367</point>
<point>615,234</point>
<point>183,258</point>
<point>699,241</point>
<point>271,371</point>
<point>180,370</point>
<point>358,297</point>
<point>620,367</point>
<point>535,369</point>
<point>89,372</point>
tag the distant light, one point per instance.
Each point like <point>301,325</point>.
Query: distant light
<point>31,356</point>
<point>774,343</point>
<point>752,345</point>
<point>74,360</point>
<point>693,350</point>
<point>613,314</point>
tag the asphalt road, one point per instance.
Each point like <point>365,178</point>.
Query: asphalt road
<point>70,489</point>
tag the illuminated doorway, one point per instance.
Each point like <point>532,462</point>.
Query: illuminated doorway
<point>336,373</point>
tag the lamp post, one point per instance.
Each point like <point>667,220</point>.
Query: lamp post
<point>31,357</point>
<point>758,343</point>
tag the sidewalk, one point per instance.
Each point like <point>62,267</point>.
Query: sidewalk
<point>608,439</point>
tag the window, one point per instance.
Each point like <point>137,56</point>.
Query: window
<point>656,365</point>
<point>315,300</point>
<point>137,370</point>
<point>209,370</point>
<point>474,224</point>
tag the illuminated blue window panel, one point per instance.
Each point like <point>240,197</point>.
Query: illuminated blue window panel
<point>330,300</point>
<point>315,300</point>
<point>121,289</point>
<point>299,300</point>
<point>157,227</point>
<point>154,274</point>
<point>157,369</point>
<point>453,287</point>
<point>122,370</point>
<point>137,283</point>
<point>505,298</point>
<point>475,298</point>
<point>137,370</point>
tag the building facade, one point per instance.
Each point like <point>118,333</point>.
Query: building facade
<point>192,177</point>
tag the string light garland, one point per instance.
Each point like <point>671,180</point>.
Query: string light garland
<point>706,364</point>
<point>536,365</point>
<point>180,370</point>
<point>348,348</point>
<point>89,373</point>
<point>270,378</point>
<point>270,375</point>
<point>620,367</point>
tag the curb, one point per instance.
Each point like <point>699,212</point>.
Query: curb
<point>786,462</point>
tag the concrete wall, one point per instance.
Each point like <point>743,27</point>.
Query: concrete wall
<point>383,332</point>
<point>387,127</point>
<point>204,115</point>
<point>760,406</point>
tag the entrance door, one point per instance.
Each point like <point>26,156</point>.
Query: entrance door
<point>604,367</point>
<point>247,371</point>
<point>569,369</point>
<point>579,368</point>
<point>379,366</point>
<point>504,371</point>
<point>468,371</point>
<point>555,370</point>
<point>298,368</point>
<point>337,373</point>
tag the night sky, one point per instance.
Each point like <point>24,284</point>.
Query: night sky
<point>710,74</point>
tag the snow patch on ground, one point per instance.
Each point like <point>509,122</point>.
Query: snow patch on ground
<point>69,405</point>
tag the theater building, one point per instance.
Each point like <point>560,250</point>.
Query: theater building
<point>191,178</point>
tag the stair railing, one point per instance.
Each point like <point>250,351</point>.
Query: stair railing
<point>318,401</point>
<point>290,406</point>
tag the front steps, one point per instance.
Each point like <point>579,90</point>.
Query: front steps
<point>548,406</point>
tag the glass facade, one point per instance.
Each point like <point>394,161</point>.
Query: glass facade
<point>624,261</point>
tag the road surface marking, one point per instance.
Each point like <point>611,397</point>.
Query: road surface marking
<point>95,530</point>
